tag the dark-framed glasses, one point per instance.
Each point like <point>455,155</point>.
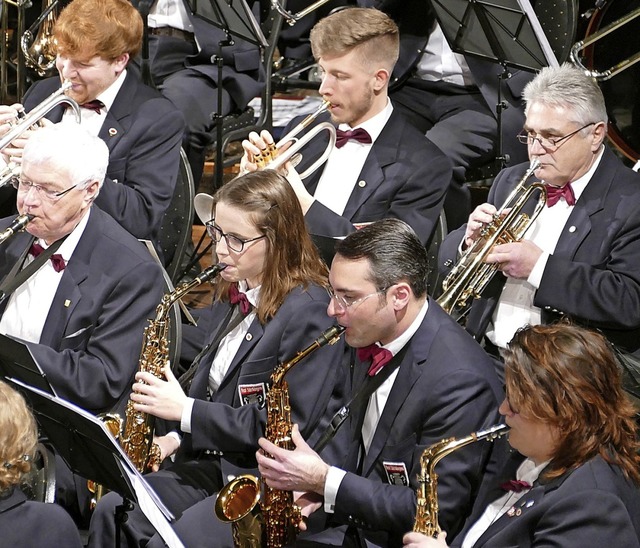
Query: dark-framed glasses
<point>345,302</point>
<point>549,143</point>
<point>48,194</point>
<point>234,243</point>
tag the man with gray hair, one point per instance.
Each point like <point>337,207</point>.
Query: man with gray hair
<point>81,311</point>
<point>579,259</point>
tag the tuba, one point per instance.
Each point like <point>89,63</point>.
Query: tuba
<point>271,519</point>
<point>426,521</point>
<point>40,53</point>
<point>470,275</point>
<point>16,225</point>
<point>137,438</point>
<point>272,158</point>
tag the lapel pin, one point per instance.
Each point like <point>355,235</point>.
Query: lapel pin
<point>249,336</point>
<point>362,184</point>
<point>112,132</point>
<point>572,229</point>
<point>67,303</point>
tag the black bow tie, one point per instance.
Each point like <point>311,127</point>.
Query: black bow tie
<point>94,105</point>
<point>359,134</point>
<point>56,259</point>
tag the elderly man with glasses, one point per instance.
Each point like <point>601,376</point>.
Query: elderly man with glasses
<point>77,288</point>
<point>580,257</point>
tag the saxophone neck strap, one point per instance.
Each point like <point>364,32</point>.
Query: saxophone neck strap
<point>359,399</point>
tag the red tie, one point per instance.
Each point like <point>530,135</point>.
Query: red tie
<point>554,193</point>
<point>358,134</point>
<point>517,486</point>
<point>239,298</point>
<point>56,259</point>
<point>94,105</point>
<point>378,356</point>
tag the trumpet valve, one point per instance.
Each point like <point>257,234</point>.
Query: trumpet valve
<point>267,155</point>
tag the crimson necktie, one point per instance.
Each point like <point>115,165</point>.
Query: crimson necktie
<point>239,298</point>
<point>56,259</point>
<point>358,134</point>
<point>94,105</point>
<point>378,356</point>
<point>517,486</point>
<point>554,193</point>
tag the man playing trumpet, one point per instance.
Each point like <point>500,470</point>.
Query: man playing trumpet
<point>385,168</point>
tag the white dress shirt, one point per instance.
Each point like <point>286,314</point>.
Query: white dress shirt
<point>375,407</point>
<point>515,307</point>
<point>170,13</point>
<point>28,306</point>
<point>340,174</point>
<point>440,63</point>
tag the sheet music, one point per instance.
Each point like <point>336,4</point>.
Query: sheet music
<point>284,110</point>
<point>149,502</point>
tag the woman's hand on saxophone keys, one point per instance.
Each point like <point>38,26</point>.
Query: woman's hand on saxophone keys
<point>164,399</point>
<point>420,540</point>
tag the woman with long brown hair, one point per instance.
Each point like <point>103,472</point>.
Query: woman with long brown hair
<point>269,303</point>
<point>579,484</point>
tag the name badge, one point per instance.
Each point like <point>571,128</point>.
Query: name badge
<point>252,393</point>
<point>396,473</point>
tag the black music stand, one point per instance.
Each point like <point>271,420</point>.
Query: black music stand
<point>235,18</point>
<point>17,361</point>
<point>90,451</point>
<point>504,31</point>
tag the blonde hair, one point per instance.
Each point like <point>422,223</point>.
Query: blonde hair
<point>18,436</point>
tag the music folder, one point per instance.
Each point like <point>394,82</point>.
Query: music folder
<point>17,361</point>
<point>90,450</point>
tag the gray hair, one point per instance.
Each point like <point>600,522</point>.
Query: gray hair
<point>70,147</point>
<point>568,87</point>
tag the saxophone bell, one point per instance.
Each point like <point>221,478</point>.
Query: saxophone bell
<point>18,224</point>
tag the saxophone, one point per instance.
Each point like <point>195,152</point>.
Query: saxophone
<point>269,518</point>
<point>137,439</point>
<point>426,521</point>
<point>16,225</point>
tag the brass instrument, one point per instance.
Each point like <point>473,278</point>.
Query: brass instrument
<point>16,225</point>
<point>38,112</point>
<point>40,53</point>
<point>272,158</point>
<point>293,18</point>
<point>137,438</point>
<point>618,67</point>
<point>426,521</point>
<point>471,274</point>
<point>269,519</point>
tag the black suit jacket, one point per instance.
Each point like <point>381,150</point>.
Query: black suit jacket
<point>91,339</point>
<point>593,505</point>
<point>446,386</point>
<point>405,176</point>
<point>143,131</point>
<point>593,275</point>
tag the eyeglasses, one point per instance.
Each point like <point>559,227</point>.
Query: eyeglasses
<point>50,195</point>
<point>233,242</point>
<point>344,303</point>
<point>549,143</point>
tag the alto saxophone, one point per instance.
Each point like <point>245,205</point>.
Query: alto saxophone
<point>137,438</point>
<point>426,521</point>
<point>269,519</point>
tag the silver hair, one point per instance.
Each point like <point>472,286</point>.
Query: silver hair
<point>568,87</point>
<point>69,147</point>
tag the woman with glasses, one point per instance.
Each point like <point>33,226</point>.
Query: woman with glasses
<point>579,484</point>
<point>580,257</point>
<point>268,303</point>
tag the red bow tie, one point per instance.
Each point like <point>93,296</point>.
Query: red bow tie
<point>358,134</point>
<point>56,259</point>
<point>94,105</point>
<point>378,356</point>
<point>554,193</point>
<point>517,486</point>
<point>239,298</point>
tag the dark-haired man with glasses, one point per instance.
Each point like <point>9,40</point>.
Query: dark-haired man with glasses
<point>580,257</point>
<point>437,383</point>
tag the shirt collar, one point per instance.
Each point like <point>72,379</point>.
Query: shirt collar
<point>374,125</point>
<point>108,96</point>
<point>253,295</point>
<point>398,343</point>
<point>529,472</point>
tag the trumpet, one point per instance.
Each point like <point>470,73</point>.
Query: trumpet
<point>272,158</point>
<point>16,225</point>
<point>25,121</point>
<point>39,50</point>
<point>470,275</point>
